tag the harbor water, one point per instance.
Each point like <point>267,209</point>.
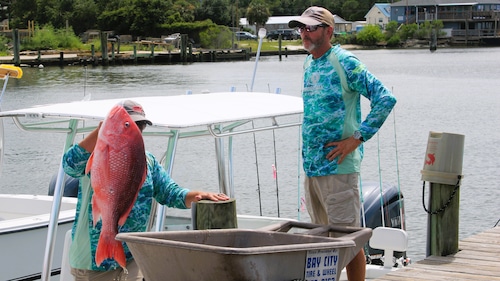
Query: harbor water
<point>450,90</point>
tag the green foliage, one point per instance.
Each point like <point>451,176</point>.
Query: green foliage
<point>394,41</point>
<point>49,38</point>
<point>344,39</point>
<point>192,29</point>
<point>408,31</point>
<point>217,11</point>
<point>391,29</point>
<point>3,44</point>
<point>392,35</point>
<point>370,35</point>
<point>84,16</point>
<point>426,28</point>
<point>258,13</point>
<point>349,8</point>
<point>216,37</point>
<point>154,18</point>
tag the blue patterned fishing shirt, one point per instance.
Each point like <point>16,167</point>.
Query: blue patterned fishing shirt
<point>158,185</point>
<point>333,113</point>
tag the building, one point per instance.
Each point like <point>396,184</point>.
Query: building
<point>469,22</point>
<point>379,14</point>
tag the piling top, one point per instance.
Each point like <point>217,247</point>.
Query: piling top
<point>443,158</point>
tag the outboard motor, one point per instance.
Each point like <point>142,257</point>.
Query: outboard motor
<point>70,186</point>
<point>393,215</point>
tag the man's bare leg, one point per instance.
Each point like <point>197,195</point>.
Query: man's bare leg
<point>356,269</point>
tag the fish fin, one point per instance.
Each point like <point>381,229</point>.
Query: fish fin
<point>89,163</point>
<point>109,247</point>
<point>96,211</point>
<point>124,217</point>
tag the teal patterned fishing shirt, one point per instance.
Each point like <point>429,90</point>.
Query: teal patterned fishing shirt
<point>158,185</point>
<point>333,113</point>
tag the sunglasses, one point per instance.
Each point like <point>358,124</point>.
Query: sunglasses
<point>141,124</point>
<point>310,28</point>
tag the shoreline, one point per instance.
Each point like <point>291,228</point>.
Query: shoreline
<point>74,58</point>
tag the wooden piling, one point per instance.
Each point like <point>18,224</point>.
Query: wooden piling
<point>279,47</point>
<point>92,50</point>
<point>112,52</point>
<point>135,54</point>
<point>443,220</point>
<point>183,47</point>
<point>152,53</point>
<point>17,47</point>
<point>216,215</point>
<point>443,170</point>
<point>104,48</point>
<point>190,52</point>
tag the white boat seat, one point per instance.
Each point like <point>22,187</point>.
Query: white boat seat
<point>389,240</point>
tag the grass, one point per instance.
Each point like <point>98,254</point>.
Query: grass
<point>243,44</point>
<point>268,45</point>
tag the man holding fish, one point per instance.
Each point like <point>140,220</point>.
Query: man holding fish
<point>119,180</point>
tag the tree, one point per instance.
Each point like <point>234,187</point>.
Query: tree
<point>186,10</point>
<point>408,31</point>
<point>216,36</point>
<point>136,17</point>
<point>217,11</point>
<point>22,12</point>
<point>370,35</point>
<point>258,13</point>
<point>349,9</point>
<point>84,16</point>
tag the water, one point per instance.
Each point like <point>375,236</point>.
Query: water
<point>450,90</point>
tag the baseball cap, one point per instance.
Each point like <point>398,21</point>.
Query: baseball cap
<point>313,16</point>
<point>135,111</point>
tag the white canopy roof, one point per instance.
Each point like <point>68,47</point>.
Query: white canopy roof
<point>178,112</point>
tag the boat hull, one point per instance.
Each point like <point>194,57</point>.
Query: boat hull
<point>24,223</point>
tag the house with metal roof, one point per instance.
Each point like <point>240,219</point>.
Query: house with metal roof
<point>469,22</point>
<point>379,14</point>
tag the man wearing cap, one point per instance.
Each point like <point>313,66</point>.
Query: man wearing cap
<point>332,131</point>
<point>158,186</point>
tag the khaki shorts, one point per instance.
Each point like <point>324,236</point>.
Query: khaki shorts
<point>333,199</point>
<point>134,274</point>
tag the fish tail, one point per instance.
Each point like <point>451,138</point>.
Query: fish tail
<point>109,247</point>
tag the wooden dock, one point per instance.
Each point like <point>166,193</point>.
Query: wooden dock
<point>478,259</point>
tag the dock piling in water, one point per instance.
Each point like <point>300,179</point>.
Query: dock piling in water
<point>443,169</point>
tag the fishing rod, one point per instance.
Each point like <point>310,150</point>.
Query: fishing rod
<point>397,171</point>
<point>262,34</point>
<point>381,188</point>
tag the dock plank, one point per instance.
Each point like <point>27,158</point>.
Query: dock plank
<point>477,259</point>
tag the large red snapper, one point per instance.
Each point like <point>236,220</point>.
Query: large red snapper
<point>118,170</point>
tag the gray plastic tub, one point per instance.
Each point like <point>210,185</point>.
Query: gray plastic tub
<point>237,254</point>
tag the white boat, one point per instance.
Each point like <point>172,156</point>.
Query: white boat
<point>24,221</point>
<point>221,116</point>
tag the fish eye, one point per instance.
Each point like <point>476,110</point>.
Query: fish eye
<point>127,124</point>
